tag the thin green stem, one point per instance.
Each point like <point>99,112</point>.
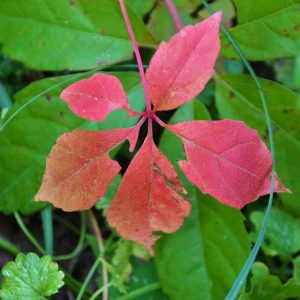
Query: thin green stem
<point>251,258</point>
<point>8,246</point>
<point>100,242</point>
<point>74,285</point>
<point>27,233</point>
<point>67,224</point>
<point>89,277</point>
<point>141,292</point>
<point>100,291</point>
<point>80,243</point>
<point>47,222</point>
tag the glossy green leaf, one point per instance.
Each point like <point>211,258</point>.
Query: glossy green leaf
<point>267,29</point>
<point>203,258</point>
<point>249,10</point>
<point>141,7</point>
<point>161,24</point>
<point>238,99</point>
<point>26,142</point>
<point>283,232</point>
<point>30,277</point>
<point>266,287</point>
<point>68,34</point>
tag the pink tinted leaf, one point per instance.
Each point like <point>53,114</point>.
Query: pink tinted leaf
<point>180,69</point>
<point>79,170</point>
<point>227,160</point>
<point>149,198</point>
<point>94,98</point>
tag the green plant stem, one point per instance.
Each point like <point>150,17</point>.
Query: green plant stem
<point>99,239</point>
<point>79,246</point>
<point>89,277</point>
<point>8,246</point>
<point>67,224</point>
<point>47,222</point>
<point>27,233</point>
<point>74,286</point>
<point>99,291</point>
<point>239,282</point>
<point>140,292</point>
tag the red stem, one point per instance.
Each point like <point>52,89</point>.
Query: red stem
<point>175,15</point>
<point>137,55</point>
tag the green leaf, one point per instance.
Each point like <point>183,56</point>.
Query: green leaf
<point>266,287</point>
<point>141,7</point>
<point>237,98</point>
<point>161,24</point>
<point>30,277</point>
<point>296,263</point>
<point>26,141</point>
<point>68,34</point>
<point>267,29</point>
<point>283,232</point>
<point>250,10</point>
<point>203,258</point>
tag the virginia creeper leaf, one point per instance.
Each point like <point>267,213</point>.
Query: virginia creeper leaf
<point>26,141</point>
<point>149,198</point>
<point>210,248</point>
<point>94,98</point>
<point>79,169</point>
<point>227,160</point>
<point>237,98</point>
<point>180,68</point>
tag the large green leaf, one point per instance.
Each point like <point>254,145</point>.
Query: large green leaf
<point>249,10</point>
<point>238,98</point>
<point>141,7</point>
<point>26,142</point>
<point>161,24</point>
<point>203,258</point>
<point>30,277</point>
<point>282,235</point>
<point>267,29</point>
<point>265,286</point>
<point>68,34</point>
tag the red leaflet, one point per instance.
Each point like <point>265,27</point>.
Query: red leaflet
<point>180,68</point>
<point>94,98</point>
<point>149,198</point>
<point>79,169</point>
<point>227,160</point>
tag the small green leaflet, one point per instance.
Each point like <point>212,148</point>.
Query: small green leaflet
<point>30,277</point>
<point>283,232</point>
<point>265,286</point>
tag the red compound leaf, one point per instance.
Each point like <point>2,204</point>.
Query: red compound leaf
<point>149,198</point>
<point>94,98</point>
<point>180,68</point>
<point>227,160</point>
<point>79,169</point>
